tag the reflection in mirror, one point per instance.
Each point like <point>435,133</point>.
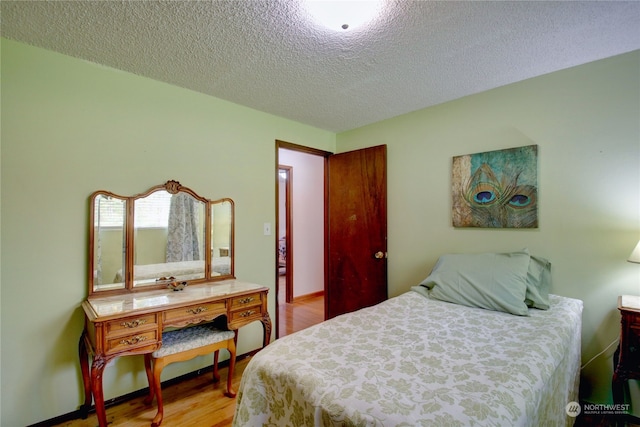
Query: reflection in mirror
<point>168,234</point>
<point>221,237</point>
<point>169,238</point>
<point>109,243</point>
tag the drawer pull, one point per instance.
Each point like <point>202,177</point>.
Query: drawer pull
<point>246,300</point>
<point>134,323</point>
<point>247,313</point>
<point>133,340</point>
<point>197,310</point>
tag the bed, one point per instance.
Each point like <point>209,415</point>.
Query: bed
<point>221,266</point>
<point>415,360</point>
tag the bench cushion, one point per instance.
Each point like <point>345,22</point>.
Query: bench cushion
<point>189,338</point>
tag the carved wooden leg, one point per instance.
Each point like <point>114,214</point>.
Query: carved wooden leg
<point>97,367</point>
<point>84,367</point>
<point>147,367</point>
<point>158,365</point>
<point>232,363</point>
<point>216,374</point>
<point>266,324</point>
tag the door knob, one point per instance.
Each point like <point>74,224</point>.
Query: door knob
<point>379,255</point>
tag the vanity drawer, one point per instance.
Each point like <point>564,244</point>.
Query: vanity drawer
<point>194,313</point>
<point>132,341</point>
<point>246,301</point>
<point>132,324</point>
<point>246,314</point>
<point>246,309</point>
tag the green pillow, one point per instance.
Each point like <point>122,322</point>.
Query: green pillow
<point>538,283</point>
<point>493,281</point>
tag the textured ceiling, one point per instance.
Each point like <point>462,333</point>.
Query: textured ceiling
<point>269,55</point>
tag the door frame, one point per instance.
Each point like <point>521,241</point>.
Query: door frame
<point>288,232</point>
<point>316,152</point>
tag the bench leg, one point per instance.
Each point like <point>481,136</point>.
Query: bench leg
<point>154,366</point>
<point>216,374</point>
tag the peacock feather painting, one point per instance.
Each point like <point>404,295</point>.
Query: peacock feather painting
<point>496,189</point>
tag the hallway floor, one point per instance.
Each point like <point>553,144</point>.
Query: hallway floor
<point>298,315</point>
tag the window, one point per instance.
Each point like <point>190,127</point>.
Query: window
<point>111,212</point>
<point>153,210</point>
<point>150,212</point>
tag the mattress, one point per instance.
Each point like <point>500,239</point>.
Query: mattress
<point>415,361</point>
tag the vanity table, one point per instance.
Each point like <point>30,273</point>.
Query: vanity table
<point>123,325</point>
<point>128,306</point>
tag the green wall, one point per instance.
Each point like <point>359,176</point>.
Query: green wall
<point>586,123</point>
<point>69,128</point>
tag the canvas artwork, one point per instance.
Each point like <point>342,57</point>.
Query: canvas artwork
<point>496,189</point>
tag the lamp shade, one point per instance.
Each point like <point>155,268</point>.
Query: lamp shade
<point>635,255</point>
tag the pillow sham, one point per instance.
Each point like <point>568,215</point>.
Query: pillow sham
<point>493,281</point>
<point>538,283</point>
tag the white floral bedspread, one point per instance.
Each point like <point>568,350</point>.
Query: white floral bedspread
<point>412,361</point>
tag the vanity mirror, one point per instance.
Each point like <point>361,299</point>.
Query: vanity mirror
<point>166,234</point>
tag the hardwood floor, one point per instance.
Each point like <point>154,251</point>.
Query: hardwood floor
<point>196,401</point>
<point>300,314</point>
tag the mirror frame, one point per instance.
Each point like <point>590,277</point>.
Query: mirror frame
<point>172,187</point>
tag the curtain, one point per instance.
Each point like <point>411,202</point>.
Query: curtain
<point>182,238</point>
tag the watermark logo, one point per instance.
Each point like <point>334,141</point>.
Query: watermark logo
<point>573,409</point>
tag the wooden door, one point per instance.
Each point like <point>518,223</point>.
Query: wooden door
<point>357,230</point>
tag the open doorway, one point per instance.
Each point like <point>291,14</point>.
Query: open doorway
<point>354,196</point>
<point>285,234</point>
<point>300,267</point>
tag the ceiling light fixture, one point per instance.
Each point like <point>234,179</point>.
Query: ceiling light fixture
<point>343,15</point>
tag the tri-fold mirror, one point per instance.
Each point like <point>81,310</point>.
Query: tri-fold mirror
<point>166,235</point>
